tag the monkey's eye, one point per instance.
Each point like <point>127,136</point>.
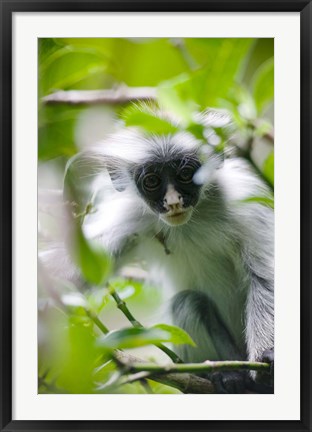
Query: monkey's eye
<point>186,174</point>
<point>151,182</point>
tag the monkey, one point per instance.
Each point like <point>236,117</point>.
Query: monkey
<point>172,202</point>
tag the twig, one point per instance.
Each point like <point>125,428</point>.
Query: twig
<point>135,323</point>
<point>178,376</point>
<point>136,377</point>
<point>207,366</point>
<point>185,382</point>
<point>120,95</point>
<point>179,44</point>
<point>97,321</point>
<point>124,309</point>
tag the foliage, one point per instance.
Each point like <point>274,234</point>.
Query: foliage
<point>232,81</point>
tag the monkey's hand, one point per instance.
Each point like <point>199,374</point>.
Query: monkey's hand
<point>230,382</point>
<point>264,381</point>
<point>268,357</point>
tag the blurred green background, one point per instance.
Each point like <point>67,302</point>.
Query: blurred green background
<point>186,76</point>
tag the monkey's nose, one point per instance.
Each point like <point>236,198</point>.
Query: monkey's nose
<point>172,200</point>
<point>174,207</point>
<point>173,203</point>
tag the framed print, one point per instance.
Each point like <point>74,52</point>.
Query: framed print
<point>155,207</point>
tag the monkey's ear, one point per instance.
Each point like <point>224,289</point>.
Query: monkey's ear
<point>117,178</point>
<point>119,174</point>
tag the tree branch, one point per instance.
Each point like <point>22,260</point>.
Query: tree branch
<point>206,366</point>
<point>97,321</point>
<point>119,95</point>
<point>179,44</point>
<point>124,309</point>
<point>185,382</point>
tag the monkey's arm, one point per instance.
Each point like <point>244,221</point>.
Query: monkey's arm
<point>259,257</point>
<point>260,318</point>
<point>260,331</point>
<point>116,226</point>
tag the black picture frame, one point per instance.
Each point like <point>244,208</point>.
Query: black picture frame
<point>7,10</point>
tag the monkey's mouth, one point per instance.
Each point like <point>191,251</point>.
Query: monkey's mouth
<point>174,215</point>
<point>178,218</point>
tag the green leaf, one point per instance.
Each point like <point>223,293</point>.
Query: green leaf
<point>46,47</point>
<point>177,335</point>
<point>56,131</point>
<point>198,130</point>
<point>137,337</point>
<point>223,57</point>
<point>240,103</point>
<point>268,168</point>
<point>263,85</point>
<point>261,50</point>
<point>133,338</point>
<point>269,202</point>
<point>207,86</point>
<point>93,261</point>
<point>137,115</point>
<point>76,358</point>
<point>66,67</point>
<point>135,61</point>
<point>176,95</point>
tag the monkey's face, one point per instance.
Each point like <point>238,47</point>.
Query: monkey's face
<point>169,190</point>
